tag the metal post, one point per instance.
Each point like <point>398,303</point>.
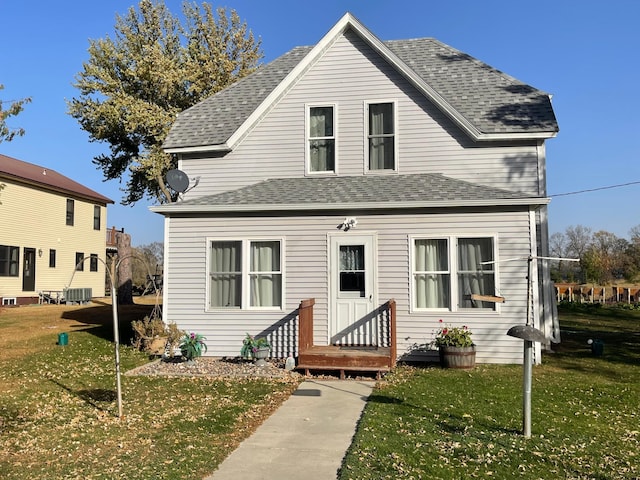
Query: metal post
<point>526,388</point>
<point>116,338</point>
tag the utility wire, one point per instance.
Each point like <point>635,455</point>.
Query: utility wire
<point>595,189</point>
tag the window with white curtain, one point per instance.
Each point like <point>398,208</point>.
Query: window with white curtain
<point>245,274</point>
<point>445,277</point>
<point>381,136</point>
<point>322,139</point>
<point>265,274</point>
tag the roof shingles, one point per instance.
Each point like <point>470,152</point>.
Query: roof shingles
<point>281,193</point>
<point>491,101</point>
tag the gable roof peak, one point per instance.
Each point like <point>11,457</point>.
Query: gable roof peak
<point>484,102</point>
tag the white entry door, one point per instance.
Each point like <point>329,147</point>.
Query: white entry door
<point>353,290</point>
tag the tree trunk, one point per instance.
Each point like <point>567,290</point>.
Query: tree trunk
<point>124,273</point>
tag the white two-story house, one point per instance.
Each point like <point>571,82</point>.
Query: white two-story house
<point>355,172</point>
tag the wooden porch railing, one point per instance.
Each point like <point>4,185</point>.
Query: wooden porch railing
<point>305,330</point>
<point>387,341</point>
<point>111,237</point>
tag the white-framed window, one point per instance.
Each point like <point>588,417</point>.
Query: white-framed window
<point>321,138</point>
<point>448,270</point>
<point>245,274</point>
<point>381,136</point>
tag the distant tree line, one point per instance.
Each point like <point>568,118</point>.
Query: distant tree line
<point>604,257</point>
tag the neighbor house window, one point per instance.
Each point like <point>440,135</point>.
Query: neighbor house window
<point>52,258</point>
<point>93,263</point>
<point>79,261</point>
<point>9,261</point>
<point>70,209</point>
<point>448,271</point>
<point>245,274</point>
<point>381,136</point>
<point>96,217</point>
<point>322,139</point>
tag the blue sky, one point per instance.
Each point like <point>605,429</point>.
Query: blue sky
<point>585,53</point>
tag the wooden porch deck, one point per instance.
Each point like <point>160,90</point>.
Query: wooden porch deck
<point>342,358</point>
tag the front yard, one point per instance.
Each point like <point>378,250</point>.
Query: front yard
<point>446,424</point>
<point>58,414</point>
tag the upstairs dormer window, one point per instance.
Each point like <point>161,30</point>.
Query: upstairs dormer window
<point>321,139</point>
<point>381,136</point>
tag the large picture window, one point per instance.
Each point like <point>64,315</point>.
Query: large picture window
<point>9,261</point>
<point>245,274</point>
<point>448,271</point>
<point>381,136</point>
<point>321,139</point>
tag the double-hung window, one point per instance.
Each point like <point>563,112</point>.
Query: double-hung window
<point>96,217</point>
<point>93,262</point>
<point>9,261</point>
<point>321,139</point>
<point>447,271</point>
<point>245,274</point>
<point>70,212</point>
<point>381,136</point>
<point>79,261</point>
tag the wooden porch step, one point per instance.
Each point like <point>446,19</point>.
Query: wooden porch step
<point>342,358</point>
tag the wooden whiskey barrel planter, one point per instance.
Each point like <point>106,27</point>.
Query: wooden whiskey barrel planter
<point>458,357</point>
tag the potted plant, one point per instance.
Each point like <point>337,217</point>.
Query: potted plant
<point>455,346</point>
<point>192,346</point>
<point>254,348</point>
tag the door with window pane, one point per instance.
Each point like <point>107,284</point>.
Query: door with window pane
<point>352,290</point>
<point>29,270</point>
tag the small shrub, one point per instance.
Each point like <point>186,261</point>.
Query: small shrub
<point>151,329</point>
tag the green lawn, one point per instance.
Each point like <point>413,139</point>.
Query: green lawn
<point>58,414</point>
<point>58,410</point>
<point>433,423</point>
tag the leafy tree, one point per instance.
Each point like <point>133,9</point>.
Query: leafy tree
<point>133,85</point>
<point>14,108</point>
<point>147,260</point>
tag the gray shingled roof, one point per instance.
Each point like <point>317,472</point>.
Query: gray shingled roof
<point>381,191</point>
<point>214,120</point>
<point>494,103</point>
<point>490,100</point>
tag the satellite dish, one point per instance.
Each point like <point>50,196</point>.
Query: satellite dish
<point>177,180</point>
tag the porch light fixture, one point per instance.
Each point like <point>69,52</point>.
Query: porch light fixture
<point>39,252</point>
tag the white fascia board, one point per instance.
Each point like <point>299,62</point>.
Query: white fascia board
<point>191,208</point>
<point>290,79</point>
<point>224,147</point>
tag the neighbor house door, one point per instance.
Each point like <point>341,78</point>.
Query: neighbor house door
<point>352,262</point>
<point>29,270</point>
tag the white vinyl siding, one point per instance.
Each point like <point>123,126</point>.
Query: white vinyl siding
<point>304,259</point>
<point>350,75</point>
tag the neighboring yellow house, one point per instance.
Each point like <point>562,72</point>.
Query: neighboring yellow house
<point>49,224</point>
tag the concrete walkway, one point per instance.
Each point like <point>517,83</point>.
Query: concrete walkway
<point>307,437</point>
